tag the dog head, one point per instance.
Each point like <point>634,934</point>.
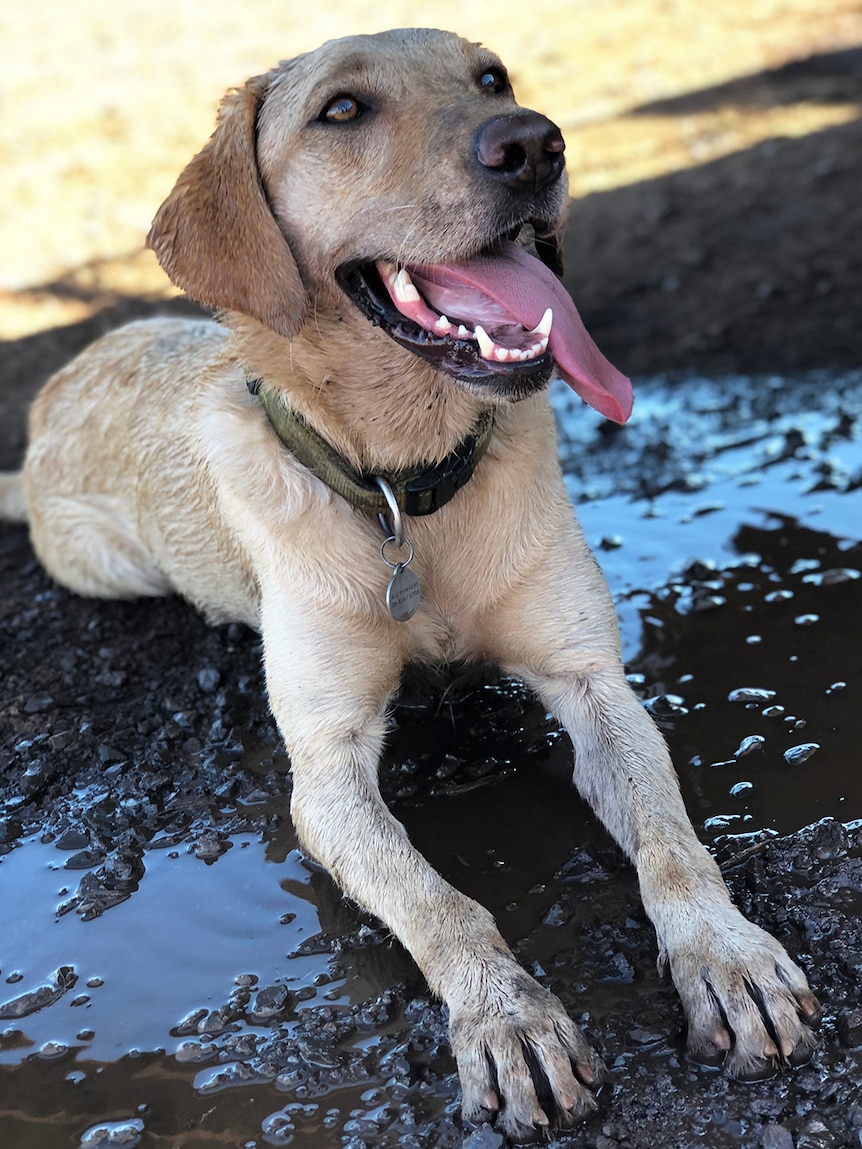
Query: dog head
<point>399,171</point>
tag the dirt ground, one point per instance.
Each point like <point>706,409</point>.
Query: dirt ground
<point>715,154</point>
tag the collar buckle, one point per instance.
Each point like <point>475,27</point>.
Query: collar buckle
<point>432,489</point>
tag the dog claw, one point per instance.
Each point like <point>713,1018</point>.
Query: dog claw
<point>521,1061</point>
<point>587,1074</point>
<point>721,1039</point>
<point>747,1003</point>
<point>810,1008</point>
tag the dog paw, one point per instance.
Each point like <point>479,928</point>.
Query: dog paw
<point>523,1061</point>
<point>748,1005</point>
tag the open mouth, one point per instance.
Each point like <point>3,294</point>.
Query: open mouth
<point>500,322</point>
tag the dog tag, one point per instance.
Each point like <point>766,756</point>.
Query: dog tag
<point>403,593</point>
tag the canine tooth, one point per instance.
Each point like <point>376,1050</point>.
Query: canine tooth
<point>404,288</point>
<point>543,327</point>
<point>486,343</point>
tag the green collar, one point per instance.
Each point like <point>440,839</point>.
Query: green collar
<point>417,492</point>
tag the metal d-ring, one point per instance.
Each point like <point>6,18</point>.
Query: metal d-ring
<point>401,563</point>
<point>396,531</point>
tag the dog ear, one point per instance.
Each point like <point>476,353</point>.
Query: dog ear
<point>215,234</point>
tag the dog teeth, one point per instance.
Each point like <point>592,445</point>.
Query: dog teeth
<point>488,349</point>
<point>405,292</point>
<point>403,287</point>
<point>486,343</point>
<point>543,327</point>
<point>537,349</point>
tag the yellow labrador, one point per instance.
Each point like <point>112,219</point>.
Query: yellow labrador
<point>379,222</point>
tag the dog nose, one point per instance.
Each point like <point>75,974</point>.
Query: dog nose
<point>524,150</point>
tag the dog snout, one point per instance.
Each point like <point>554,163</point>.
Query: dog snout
<point>524,151</point>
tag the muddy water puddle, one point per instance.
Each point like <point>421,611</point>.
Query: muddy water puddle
<point>189,979</point>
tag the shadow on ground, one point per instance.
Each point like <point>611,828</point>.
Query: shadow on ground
<point>748,263</point>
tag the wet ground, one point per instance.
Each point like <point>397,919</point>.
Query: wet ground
<point>173,972</point>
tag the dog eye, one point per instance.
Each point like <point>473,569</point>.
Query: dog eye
<point>342,109</point>
<point>494,80</point>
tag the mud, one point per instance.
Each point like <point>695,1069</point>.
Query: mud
<point>176,973</point>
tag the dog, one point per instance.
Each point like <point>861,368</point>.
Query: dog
<point>359,460</point>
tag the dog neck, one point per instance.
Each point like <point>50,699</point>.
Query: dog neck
<point>381,409</point>
<point>416,491</point>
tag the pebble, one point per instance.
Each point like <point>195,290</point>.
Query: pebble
<point>72,839</point>
<point>776,1137</point>
<point>270,1002</point>
<point>831,577</point>
<point>816,1135</point>
<point>644,1037</point>
<point>108,754</point>
<point>665,705</point>
<point>429,1089</point>
<point>749,745</point>
<point>64,979</point>
<point>38,703</point>
<point>191,1051</point>
<point>618,969</point>
<point>236,1073</point>
<point>109,1133</point>
<point>796,755</point>
<point>208,679</point>
<point>484,1138</point>
<point>850,1027</point>
<point>556,916</point>
<point>278,1128</point>
<point>750,694</point>
<point>830,840</point>
<point>84,860</point>
<point>208,846</point>
<point>10,830</point>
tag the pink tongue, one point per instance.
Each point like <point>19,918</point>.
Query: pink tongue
<point>522,285</point>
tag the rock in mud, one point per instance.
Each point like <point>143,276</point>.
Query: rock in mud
<point>27,1003</point>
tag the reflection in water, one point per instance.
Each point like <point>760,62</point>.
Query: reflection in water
<point>765,656</point>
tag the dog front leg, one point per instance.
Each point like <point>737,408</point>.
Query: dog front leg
<point>509,1035</point>
<point>746,1002</point>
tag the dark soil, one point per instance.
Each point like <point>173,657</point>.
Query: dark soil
<point>748,263</point>
<point>137,754</point>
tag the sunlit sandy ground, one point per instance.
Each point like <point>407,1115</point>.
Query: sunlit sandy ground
<point>103,104</point>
